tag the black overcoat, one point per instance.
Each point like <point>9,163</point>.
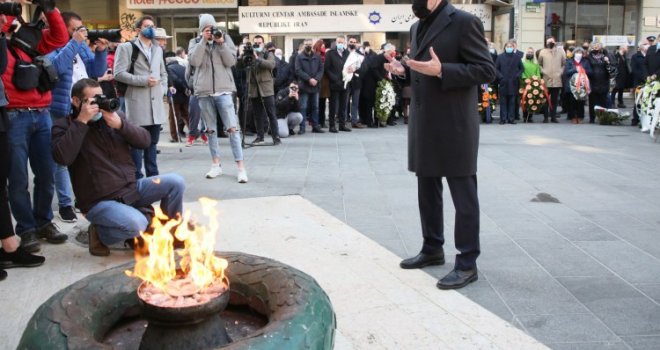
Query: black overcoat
<point>443,132</point>
<point>509,69</point>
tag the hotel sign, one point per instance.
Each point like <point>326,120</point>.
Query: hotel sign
<point>180,4</point>
<point>338,18</point>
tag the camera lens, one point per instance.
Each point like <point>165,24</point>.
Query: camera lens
<point>11,9</point>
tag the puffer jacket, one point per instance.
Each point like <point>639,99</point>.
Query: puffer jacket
<point>552,62</point>
<point>95,64</point>
<point>212,65</point>
<point>99,159</point>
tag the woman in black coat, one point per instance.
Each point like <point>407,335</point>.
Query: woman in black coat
<point>622,77</point>
<point>599,80</point>
<point>574,107</point>
<point>509,68</point>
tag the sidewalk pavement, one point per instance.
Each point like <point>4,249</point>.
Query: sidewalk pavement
<point>569,224</point>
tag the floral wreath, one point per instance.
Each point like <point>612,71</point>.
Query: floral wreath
<point>385,100</point>
<point>488,99</point>
<point>534,95</point>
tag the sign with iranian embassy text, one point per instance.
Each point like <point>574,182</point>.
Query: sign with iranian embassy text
<point>180,4</point>
<point>338,18</point>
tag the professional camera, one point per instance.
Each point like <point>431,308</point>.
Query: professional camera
<point>46,5</point>
<point>11,9</point>
<point>248,54</point>
<point>112,35</point>
<point>217,32</point>
<point>106,104</point>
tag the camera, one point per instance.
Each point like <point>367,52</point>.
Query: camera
<point>46,5</point>
<point>217,32</point>
<point>112,35</point>
<point>11,9</point>
<point>248,54</point>
<point>106,104</point>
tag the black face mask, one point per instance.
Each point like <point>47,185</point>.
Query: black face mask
<point>585,48</point>
<point>419,9</point>
<point>308,49</point>
<point>529,57</point>
<point>351,46</point>
<point>551,45</point>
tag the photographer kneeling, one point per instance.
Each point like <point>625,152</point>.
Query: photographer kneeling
<point>94,143</point>
<point>288,109</point>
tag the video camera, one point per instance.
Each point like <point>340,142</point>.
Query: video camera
<point>106,104</point>
<point>112,35</point>
<point>11,9</point>
<point>248,54</point>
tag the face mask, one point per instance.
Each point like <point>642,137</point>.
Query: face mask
<point>148,33</point>
<point>551,45</point>
<point>569,55</point>
<point>278,56</point>
<point>419,9</point>
<point>509,50</point>
<point>340,47</point>
<point>308,49</point>
<point>530,56</point>
<point>585,48</point>
<point>367,49</point>
<point>578,57</point>
<point>351,46</point>
<point>492,50</point>
<point>257,48</point>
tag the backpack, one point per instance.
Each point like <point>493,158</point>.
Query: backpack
<point>122,87</point>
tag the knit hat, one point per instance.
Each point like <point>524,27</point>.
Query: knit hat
<point>206,20</point>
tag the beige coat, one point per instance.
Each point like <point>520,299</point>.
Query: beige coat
<point>552,62</point>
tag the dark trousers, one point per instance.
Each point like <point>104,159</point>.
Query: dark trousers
<point>619,96</point>
<point>551,112</point>
<point>507,106</point>
<point>264,109</point>
<point>574,108</point>
<point>466,228</point>
<point>6,226</point>
<point>322,104</point>
<point>178,119</point>
<point>516,106</point>
<point>367,109</point>
<point>148,154</point>
<point>338,101</point>
<point>596,99</point>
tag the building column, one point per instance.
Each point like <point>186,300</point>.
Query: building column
<point>375,39</point>
<point>530,27</point>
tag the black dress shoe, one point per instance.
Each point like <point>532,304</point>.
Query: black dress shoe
<point>422,260</point>
<point>333,130</point>
<point>344,128</point>
<point>457,279</point>
<point>317,129</point>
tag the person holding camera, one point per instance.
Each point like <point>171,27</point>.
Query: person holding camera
<point>95,142</point>
<point>146,80</point>
<point>309,72</point>
<point>261,89</point>
<point>288,110</point>
<point>212,57</point>
<point>28,133</point>
<point>74,61</point>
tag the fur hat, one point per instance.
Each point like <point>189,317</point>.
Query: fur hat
<point>206,20</point>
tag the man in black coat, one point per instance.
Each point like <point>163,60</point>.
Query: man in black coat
<point>519,56</point>
<point>334,66</point>
<point>443,134</point>
<point>623,78</point>
<point>652,60</point>
<point>309,72</point>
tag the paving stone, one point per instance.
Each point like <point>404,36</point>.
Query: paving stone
<point>643,343</point>
<point>625,260</point>
<point>567,328</point>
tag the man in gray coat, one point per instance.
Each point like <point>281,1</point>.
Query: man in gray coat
<point>443,133</point>
<point>213,82</point>
<point>147,84</point>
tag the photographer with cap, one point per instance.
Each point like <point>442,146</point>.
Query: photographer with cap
<point>96,142</point>
<point>213,83</point>
<point>29,128</point>
<point>146,86</point>
<point>74,61</point>
<point>261,89</point>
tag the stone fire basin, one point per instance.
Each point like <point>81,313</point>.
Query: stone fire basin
<point>299,312</point>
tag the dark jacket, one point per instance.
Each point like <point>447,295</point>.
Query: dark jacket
<point>4,121</point>
<point>176,76</point>
<point>638,69</point>
<point>286,104</point>
<point>99,159</point>
<point>571,68</point>
<point>283,75</point>
<point>260,76</point>
<point>373,71</point>
<point>509,69</point>
<point>599,79</point>
<point>623,79</point>
<point>308,67</point>
<point>443,133</point>
<point>334,65</point>
<point>652,61</point>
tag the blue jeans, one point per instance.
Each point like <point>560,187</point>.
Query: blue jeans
<point>353,97</point>
<point>29,139</point>
<point>117,222</point>
<point>149,154</point>
<point>304,100</point>
<point>195,115</point>
<point>222,105</point>
<point>62,179</point>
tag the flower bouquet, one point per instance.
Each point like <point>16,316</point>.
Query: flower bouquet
<point>610,116</point>
<point>648,105</point>
<point>579,84</point>
<point>534,95</point>
<point>385,100</point>
<point>487,102</point>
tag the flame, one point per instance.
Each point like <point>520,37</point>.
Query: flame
<point>156,262</point>
<point>156,181</point>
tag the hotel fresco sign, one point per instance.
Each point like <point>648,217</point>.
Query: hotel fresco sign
<point>179,4</point>
<point>338,18</point>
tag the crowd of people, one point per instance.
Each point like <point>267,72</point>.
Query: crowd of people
<point>574,77</point>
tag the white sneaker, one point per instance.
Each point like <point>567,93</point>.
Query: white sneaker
<point>214,172</point>
<point>242,176</point>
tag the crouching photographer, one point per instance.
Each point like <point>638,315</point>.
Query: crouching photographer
<point>261,90</point>
<point>94,142</point>
<point>288,110</point>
